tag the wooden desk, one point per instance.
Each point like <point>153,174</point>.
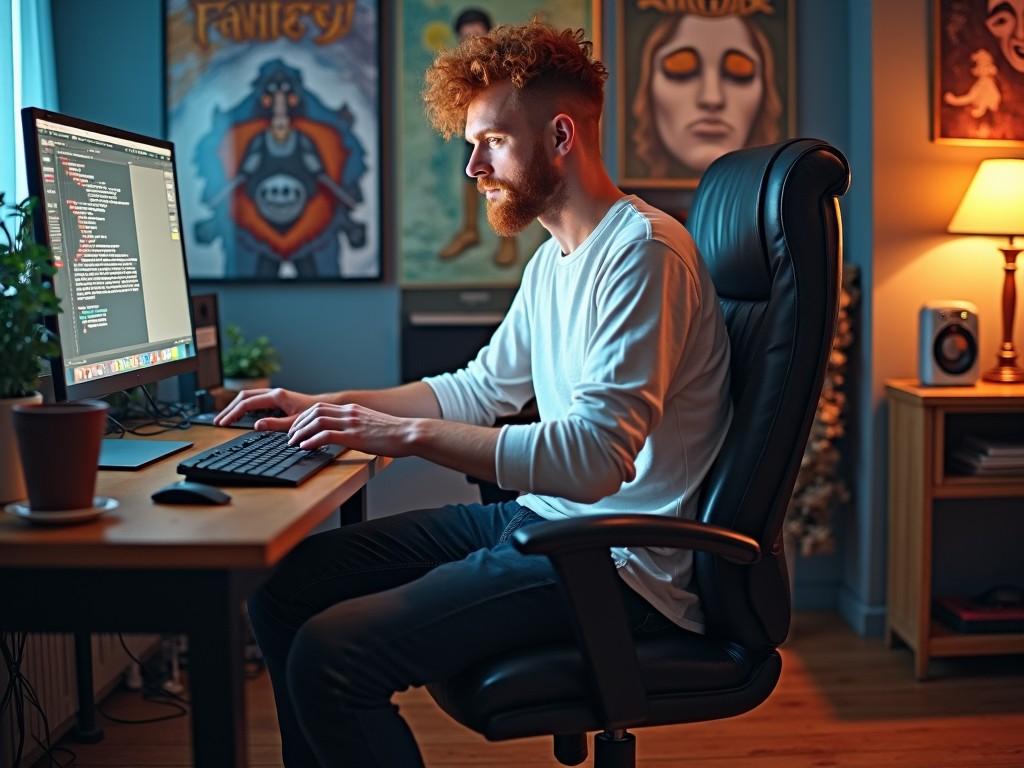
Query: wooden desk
<point>148,567</point>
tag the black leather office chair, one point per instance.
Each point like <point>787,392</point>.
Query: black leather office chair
<point>767,222</point>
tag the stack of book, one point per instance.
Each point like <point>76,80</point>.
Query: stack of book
<point>990,457</point>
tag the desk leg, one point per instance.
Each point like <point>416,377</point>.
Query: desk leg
<point>85,730</point>
<point>354,510</point>
<point>217,681</point>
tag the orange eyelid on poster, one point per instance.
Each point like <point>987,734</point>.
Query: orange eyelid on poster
<point>738,65</point>
<point>682,62</point>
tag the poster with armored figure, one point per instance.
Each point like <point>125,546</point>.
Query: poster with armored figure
<point>274,111</point>
<point>445,240</point>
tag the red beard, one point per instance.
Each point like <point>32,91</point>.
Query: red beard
<point>524,197</point>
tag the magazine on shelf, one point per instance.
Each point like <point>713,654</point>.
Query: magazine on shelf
<point>990,462</point>
<point>971,464</point>
<point>994,446</point>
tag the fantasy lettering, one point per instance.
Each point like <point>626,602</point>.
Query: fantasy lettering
<point>242,20</point>
<point>708,7</point>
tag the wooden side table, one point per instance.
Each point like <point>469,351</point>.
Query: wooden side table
<point>926,425</point>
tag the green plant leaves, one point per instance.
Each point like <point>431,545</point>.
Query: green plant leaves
<point>248,359</point>
<point>26,297</point>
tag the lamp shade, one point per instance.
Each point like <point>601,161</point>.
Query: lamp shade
<point>994,203</point>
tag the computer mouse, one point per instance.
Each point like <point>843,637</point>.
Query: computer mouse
<point>187,492</point>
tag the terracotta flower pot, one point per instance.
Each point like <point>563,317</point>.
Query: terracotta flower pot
<point>60,452</point>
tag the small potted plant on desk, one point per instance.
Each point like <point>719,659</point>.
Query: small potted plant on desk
<point>26,296</point>
<point>248,364</point>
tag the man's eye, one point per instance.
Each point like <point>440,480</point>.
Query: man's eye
<point>493,141</point>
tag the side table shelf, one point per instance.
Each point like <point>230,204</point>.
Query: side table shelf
<point>925,426</point>
<point>944,641</point>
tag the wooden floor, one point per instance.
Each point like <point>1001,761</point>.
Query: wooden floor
<point>842,701</point>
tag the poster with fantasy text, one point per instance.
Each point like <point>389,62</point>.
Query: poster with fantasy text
<point>274,109</point>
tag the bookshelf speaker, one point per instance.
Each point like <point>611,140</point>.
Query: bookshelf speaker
<point>948,343</point>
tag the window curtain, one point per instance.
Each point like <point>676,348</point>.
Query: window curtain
<point>28,78</point>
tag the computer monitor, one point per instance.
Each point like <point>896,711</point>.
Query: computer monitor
<point>109,212</point>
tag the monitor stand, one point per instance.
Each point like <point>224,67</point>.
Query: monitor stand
<point>118,453</point>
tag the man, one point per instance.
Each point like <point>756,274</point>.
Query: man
<point>616,331</point>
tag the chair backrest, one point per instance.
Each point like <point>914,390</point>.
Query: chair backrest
<point>767,222</point>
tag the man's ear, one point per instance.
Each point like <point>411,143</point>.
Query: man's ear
<point>564,133</point>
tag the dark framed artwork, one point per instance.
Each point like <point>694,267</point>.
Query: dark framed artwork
<point>444,240</point>
<point>274,109</point>
<point>697,80</point>
<point>977,73</point>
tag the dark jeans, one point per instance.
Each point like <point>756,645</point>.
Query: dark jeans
<point>353,615</point>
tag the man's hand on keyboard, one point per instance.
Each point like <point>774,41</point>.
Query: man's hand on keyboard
<point>291,403</point>
<point>353,426</point>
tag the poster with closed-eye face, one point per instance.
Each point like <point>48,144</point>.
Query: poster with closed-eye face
<point>444,237</point>
<point>274,108</point>
<point>978,72</point>
<point>698,79</point>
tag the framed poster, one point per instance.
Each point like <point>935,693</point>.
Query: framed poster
<point>444,239</point>
<point>274,108</point>
<point>697,80</point>
<point>978,73</point>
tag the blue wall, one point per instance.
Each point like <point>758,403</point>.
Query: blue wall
<point>824,111</point>
<point>861,594</point>
<point>333,336</point>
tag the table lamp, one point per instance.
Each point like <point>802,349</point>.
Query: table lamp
<point>994,205</point>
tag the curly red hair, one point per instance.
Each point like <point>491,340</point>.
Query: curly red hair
<point>533,57</point>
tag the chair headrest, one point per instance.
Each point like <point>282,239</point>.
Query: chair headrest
<point>737,207</point>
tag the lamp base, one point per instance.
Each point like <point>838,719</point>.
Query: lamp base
<point>1005,374</point>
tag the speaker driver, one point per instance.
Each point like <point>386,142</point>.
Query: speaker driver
<point>955,349</point>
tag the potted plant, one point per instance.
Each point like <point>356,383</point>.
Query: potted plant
<point>248,364</point>
<point>26,296</point>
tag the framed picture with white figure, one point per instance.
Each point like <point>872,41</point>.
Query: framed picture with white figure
<point>978,72</point>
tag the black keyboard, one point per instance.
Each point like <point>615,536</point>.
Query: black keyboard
<point>257,458</point>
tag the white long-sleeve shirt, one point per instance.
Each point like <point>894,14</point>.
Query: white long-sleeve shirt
<point>623,344</point>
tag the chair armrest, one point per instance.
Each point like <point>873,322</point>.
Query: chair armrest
<point>578,549</point>
<point>605,531</point>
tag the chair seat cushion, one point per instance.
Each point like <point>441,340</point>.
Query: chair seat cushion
<point>675,663</point>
